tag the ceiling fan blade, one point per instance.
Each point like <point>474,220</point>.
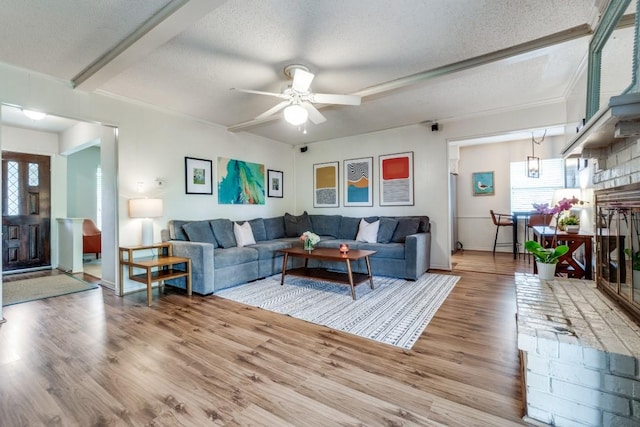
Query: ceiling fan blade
<point>328,98</point>
<point>301,80</point>
<point>273,110</point>
<point>314,114</point>
<point>258,92</point>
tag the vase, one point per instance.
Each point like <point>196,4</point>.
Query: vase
<point>546,271</point>
<point>572,229</point>
<point>308,246</point>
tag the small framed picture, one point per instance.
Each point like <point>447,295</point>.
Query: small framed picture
<point>482,183</point>
<point>358,182</point>
<point>198,176</point>
<point>274,183</point>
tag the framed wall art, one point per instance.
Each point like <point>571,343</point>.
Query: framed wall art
<point>240,182</point>
<point>358,182</point>
<point>482,183</point>
<point>325,185</point>
<point>274,183</point>
<point>198,176</point>
<point>396,179</point>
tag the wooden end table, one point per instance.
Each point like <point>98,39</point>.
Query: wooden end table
<point>157,268</point>
<point>326,254</point>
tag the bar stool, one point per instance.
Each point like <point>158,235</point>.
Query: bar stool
<point>500,220</point>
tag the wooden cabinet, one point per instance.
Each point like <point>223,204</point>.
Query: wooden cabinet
<point>156,268</point>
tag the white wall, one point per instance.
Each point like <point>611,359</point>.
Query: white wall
<point>430,184</point>
<point>82,183</point>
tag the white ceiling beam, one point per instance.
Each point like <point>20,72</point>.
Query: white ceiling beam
<point>176,17</point>
<point>546,41</point>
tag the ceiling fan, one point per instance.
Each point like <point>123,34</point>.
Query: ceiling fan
<point>298,101</point>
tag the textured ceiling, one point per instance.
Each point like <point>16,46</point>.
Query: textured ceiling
<point>191,53</point>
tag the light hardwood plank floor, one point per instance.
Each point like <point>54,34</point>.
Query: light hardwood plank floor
<point>95,359</point>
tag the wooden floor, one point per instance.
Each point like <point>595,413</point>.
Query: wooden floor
<point>95,359</point>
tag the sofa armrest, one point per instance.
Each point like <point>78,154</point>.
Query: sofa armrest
<point>417,254</point>
<point>201,255</point>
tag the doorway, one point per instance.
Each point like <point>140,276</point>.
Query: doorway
<point>26,212</point>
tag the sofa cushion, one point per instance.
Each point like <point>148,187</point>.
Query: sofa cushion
<point>368,232</point>
<point>269,248</point>
<point>233,256</point>
<point>406,226</point>
<point>335,244</point>
<point>176,232</point>
<point>386,229</point>
<point>243,234</point>
<point>348,228</point>
<point>326,225</point>
<point>384,250</point>
<point>223,230</point>
<point>200,231</point>
<point>274,227</point>
<point>294,225</point>
<point>258,229</point>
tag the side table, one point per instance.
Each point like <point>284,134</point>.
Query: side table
<point>157,268</point>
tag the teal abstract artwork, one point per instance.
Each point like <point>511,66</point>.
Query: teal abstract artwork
<point>240,182</point>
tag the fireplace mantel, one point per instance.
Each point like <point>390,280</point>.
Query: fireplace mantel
<point>606,127</point>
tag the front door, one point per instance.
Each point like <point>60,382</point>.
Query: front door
<point>26,211</point>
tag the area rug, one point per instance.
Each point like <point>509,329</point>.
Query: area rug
<point>395,312</point>
<point>41,287</point>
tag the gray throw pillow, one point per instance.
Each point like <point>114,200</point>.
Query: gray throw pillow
<point>294,225</point>
<point>200,231</point>
<point>274,227</point>
<point>176,232</point>
<point>386,230</point>
<point>326,225</point>
<point>258,229</point>
<point>223,230</point>
<point>348,228</point>
<point>406,226</point>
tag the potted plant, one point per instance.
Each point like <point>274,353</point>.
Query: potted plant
<point>546,258</point>
<point>569,223</point>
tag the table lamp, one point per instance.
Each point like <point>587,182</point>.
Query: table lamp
<point>146,209</point>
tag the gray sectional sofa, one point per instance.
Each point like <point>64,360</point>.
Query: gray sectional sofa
<point>403,247</point>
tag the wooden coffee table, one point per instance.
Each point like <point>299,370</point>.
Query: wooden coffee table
<point>326,254</point>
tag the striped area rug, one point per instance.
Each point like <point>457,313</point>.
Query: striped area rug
<point>395,312</point>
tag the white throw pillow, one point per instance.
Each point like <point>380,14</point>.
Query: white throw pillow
<point>243,233</point>
<point>368,232</point>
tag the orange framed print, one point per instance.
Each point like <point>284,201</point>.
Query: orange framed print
<point>396,179</point>
<point>325,185</point>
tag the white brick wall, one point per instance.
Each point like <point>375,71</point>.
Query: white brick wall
<point>578,372</point>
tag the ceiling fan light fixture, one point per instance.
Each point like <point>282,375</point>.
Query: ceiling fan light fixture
<point>34,115</point>
<point>295,114</point>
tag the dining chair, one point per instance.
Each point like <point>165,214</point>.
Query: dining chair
<point>500,220</point>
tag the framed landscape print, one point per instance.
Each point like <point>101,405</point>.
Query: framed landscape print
<point>482,183</point>
<point>274,183</point>
<point>325,185</point>
<point>358,182</point>
<point>198,176</point>
<point>396,179</point>
<point>240,182</point>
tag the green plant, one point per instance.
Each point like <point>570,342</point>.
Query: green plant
<point>545,255</point>
<point>635,258</point>
<point>570,220</point>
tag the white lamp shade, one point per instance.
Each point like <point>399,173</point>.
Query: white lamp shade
<point>295,114</point>
<point>145,208</point>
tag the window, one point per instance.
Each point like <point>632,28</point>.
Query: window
<point>526,191</point>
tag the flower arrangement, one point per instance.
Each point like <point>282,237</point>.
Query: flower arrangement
<point>552,254</point>
<point>309,240</point>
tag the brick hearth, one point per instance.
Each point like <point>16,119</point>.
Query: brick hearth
<point>580,354</point>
